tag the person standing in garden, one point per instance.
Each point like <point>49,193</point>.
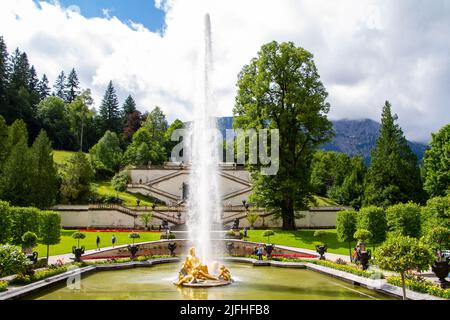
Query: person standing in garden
<point>113,240</point>
<point>97,241</point>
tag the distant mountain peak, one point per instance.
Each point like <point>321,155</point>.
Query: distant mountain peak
<point>352,137</point>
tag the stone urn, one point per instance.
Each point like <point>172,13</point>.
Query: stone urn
<point>364,259</point>
<point>33,257</point>
<point>441,270</point>
<point>321,249</point>
<point>230,248</point>
<point>78,252</point>
<point>172,247</point>
<point>133,250</point>
<point>269,249</point>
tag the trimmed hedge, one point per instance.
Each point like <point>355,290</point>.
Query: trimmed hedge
<point>348,268</point>
<point>41,274</point>
<point>420,285</point>
<point>338,266</point>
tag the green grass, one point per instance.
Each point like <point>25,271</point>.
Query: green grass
<point>323,202</point>
<point>65,246</point>
<point>105,189</point>
<point>61,157</point>
<point>301,239</point>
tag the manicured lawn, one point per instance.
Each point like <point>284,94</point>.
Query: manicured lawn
<point>65,246</point>
<point>61,157</point>
<point>105,189</point>
<point>301,239</point>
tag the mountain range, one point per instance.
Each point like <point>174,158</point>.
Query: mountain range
<point>352,137</point>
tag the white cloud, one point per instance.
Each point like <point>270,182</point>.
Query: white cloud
<point>366,51</point>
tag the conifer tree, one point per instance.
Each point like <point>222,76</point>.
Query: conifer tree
<point>394,174</point>
<point>44,177</point>
<point>4,74</point>
<point>129,106</point>
<point>43,88</point>
<point>110,115</point>
<point>15,178</point>
<point>72,86</point>
<point>59,88</point>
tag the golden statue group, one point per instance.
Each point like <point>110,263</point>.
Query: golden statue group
<point>193,271</point>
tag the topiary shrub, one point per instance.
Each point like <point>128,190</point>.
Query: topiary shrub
<point>404,219</point>
<point>373,219</point>
<point>29,240</point>
<point>134,236</point>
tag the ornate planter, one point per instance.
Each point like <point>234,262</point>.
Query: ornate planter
<point>133,250</point>
<point>321,249</point>
<point>230,248</point>
<point>78,252</point>
<point>441,270</point>
<point>269,249</point>
<point>172,247</point>
<point>33,257</point>
<point>364,259</point>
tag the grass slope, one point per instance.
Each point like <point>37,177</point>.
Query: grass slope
<point>105,189</point>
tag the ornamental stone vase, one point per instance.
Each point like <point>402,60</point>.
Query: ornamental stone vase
<point>78,252</point>
<point>269,249</point>
<point>321,249</point>
<point>441,270</point>
<point>133,249</point>
<point>364,259</point>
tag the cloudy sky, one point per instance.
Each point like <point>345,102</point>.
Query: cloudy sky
<point>366,51</point>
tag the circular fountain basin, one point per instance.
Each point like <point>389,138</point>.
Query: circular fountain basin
<point>250,283</point>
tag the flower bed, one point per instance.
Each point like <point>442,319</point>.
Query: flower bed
<point>3,286</point>
<point>348,268</point>
<point>124,260</point>
<point>420,285</point>
<point>42,274</point>
<point>117,230</point>
<point>295,256</point>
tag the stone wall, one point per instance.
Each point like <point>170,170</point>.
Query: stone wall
<point>81,217</point>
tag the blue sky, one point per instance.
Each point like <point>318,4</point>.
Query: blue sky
<point>140,11</point>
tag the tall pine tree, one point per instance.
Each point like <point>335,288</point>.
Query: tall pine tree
<point>44,177</point>
<point>43,88</point>
<point>129,106</point>
<point>72,87</point>
<point>59,88</point>
<point>15,179</point>
<point>110,114</point>
<point>394,174</point>
<point>4,75</point>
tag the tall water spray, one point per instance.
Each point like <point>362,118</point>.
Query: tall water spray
<point>204,203</point>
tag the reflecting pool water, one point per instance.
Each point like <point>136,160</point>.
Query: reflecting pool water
<point>251,283</point>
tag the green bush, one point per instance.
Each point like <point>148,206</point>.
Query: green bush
<point>39,275</point>
<point>346,227</point>
<point>165,237</point>
<point>373,219</point>
<point>404,219</point>
<point>3,286</point>
<point>134,236</point>
<point>348,268</point>
<point>12,260</point>
<point>268,234</point>
<point>5,222</point>
<point>363,235</point>
<point>420,285</point>
<point>23,220</point>
<point>120,181</point>
<point>436,214</point>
